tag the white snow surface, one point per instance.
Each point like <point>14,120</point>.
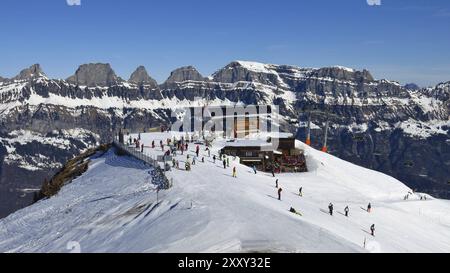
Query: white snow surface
<point>113,208</point>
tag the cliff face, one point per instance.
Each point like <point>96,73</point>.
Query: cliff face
<point>378,124</point>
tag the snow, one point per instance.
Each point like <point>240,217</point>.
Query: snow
<point>256,67</point>
<point>344,68</point>
<point>423,130</point>
<point>113,208</point>
<point>34,162</point>
<point>248,143</point>
<point>264,68</point>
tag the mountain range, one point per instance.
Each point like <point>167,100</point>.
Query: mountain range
<point>403,131</point>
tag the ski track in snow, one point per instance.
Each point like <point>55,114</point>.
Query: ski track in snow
<point>113,208</point>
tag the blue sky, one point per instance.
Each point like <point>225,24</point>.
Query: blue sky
<point>404,40</point>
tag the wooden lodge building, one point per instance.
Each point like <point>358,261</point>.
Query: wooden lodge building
<point>285,158</point>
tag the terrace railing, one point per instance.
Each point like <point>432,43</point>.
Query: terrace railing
<point>162,179</point>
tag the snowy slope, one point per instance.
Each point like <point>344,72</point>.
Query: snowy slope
<point>113,208</point>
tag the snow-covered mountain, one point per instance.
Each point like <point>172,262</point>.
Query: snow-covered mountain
<point>375,123</point>
<point>113,207</point>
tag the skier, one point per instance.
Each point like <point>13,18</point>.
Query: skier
<point>330,208</point>
<point>273,172</point>
<point>279,193</point>
<point>346,210</point>
<point>142,148</point>
<point>300,192</point>
<point>214,159</point>
<point>254,168</point>
<point>372,230</point>
<point>224,164</point>
<point>234,172</point>
<point>153,144</point>
<point>197,150</point>
<point>276,184</point>
<point>369,208</point>
<point>209,152</point>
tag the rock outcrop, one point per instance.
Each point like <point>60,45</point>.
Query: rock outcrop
<point>141,77</point>
<point>94,75</point>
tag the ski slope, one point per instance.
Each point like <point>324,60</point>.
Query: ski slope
<point>114,207</point>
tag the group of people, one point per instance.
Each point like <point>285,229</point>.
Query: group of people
<point>183,145</point>
<point>347,210</point>
<point>422,197</point>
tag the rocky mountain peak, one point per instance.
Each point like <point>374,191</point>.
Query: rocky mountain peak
<point>186,73</point>
<point>247,71</point>
<point>32,72</point>
<point>97,74</point>
<point>141,77</point>
<point>344,73</point>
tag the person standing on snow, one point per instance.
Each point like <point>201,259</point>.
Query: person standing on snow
<point>224,164</point>
<point>254,168</point>
<point>346,210</point>
<point>300,192</point>
<point>197,150</point>
<point>234,172</point>
<point>369,208</point>
<point>228,161</point>
<point>372,230</point>
<point>279,193</point>
<point>142,148</point>
<point>214,159</point>
<point>276,184</point>
<point>153,144</point>
<point>330,208</point>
